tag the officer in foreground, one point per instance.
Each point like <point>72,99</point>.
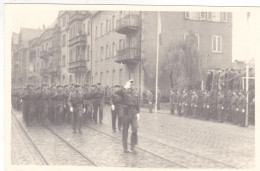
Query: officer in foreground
<point>131,113</point>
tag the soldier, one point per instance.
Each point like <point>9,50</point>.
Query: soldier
<point>75,102</point>
<point>98,102</point>
<point>220,106</point>
<point>194,103</point>
<point>205,112</point>
<point>234,108</point>
<point>149,95</point>
<point>172,102</point>
<point>179,102</point>
<point>44,104</point>
<point>213,105</point>
<point>51,113</point>
<point>37,104</point>
<point>184,103</point>
<point>199,109</point>
<point>242,108</point>
<point>59,102</point>
<point>131,114</point>
<point>116,102</point>
<point>28,100</point>
<point>87,115</point>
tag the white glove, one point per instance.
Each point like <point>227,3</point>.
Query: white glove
<point>236,109</point>
<point>207,106</point>
<point>222,107</point>
<point>243,110</point>
<point>71,109</point>
<point>84,110</point>
<point>138,116</point>
<point>21,101</point>
<point>64,106</point>
<point>113,107</point>
<point>150,102</point>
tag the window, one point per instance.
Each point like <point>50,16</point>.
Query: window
<point>216,16</point>
<point>101,53</point>
<point>216,44</point>
<point>121,44</point>
<point>63,60</point>
<point>224,16</point>
<point>88,52</point>
<point>83,28</point>
<point>96,77</point>
<point>187,15</point>
<point>120,76</point>
<point>202,15</point>
<point>107,51</point>
<point>101,77</point>
<point>107,26</point>
<point>113,77</point>
<point>88,27</point>
<point>114,49</point>
<point>64,40</point>
<point>101,29</point>
<point>107,78</point>
<point>113,22</point>
<point>96,32</point>
<point>70,55</point>
<point>209,16</point>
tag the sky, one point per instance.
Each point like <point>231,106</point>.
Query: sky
<point>244,42</point>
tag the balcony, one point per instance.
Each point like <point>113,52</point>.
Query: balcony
<point>128,56</point>
<point>77,16</point>
<point>44,71</point>
<point>128,24</point>
<point>80,39</point>
<point>78,66</point>
<point>45,54</point>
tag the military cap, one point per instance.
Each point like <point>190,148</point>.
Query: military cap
<point>58,86</point>
<point>77,85</point>
<point>98,83</point>
<point>66,86</point>
<point>44,85</point>
<point>117,86</point>
<point>30,85</point>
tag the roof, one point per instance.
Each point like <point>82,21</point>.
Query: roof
<point>27,34</point>
<point>15,38</point>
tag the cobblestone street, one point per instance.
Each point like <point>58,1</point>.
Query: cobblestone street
<point>164,141</point>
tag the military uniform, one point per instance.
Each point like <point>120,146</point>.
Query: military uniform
<point>28,99</point>
<point>149,95</point>
<point>158,99</point>
<point>242,109</point>
<point>172,101</point>
<point>59,102</point>
<point>131,108</point>
<point>44,104</point>
<point>220,106</point>
<point>179,102</point>
<point>87,103</point>
<point>184,103</point>
<point>117,102</point>
<point>98,102</point>
<point>234,108</point>
<point>51,113</point>
<point>194,104</point>
<point>75,102</point>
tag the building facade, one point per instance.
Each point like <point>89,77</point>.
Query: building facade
<point>112,47</point>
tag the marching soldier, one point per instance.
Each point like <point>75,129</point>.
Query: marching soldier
<point>59,102</point>
<point>199,109</point>
<point>158,99</point>
<point>44,104</point>
<point>76,107</point>
<point>213,105</point>
<point>227,107</point>
<point>206,105</point>
<point>98,102</point>
<point>37,104</point>
<point>52,91</point>
<point>220,106</point>
<point>131,114</point>
<point>28,100</point>
<point>87,115</point>
<point>116,102</point>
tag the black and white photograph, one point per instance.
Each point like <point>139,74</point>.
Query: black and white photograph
<point>132,86</point>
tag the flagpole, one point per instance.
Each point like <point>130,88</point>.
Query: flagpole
<point>157,62</point>
<point>247,72</point>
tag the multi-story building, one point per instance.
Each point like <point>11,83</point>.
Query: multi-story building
<point>113,46</point>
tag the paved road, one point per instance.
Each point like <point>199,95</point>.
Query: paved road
<point>164,141</point>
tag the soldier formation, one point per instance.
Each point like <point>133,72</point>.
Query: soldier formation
<point>223,100</point>
<point>80,105</point>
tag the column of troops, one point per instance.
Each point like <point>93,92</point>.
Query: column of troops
<point>70,103</point>
<point>224,98</point>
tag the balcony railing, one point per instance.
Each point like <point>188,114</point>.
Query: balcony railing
<point>80,39</point>
<point>129,55</point>
<point>128,24</point>
<point>78,66</point>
